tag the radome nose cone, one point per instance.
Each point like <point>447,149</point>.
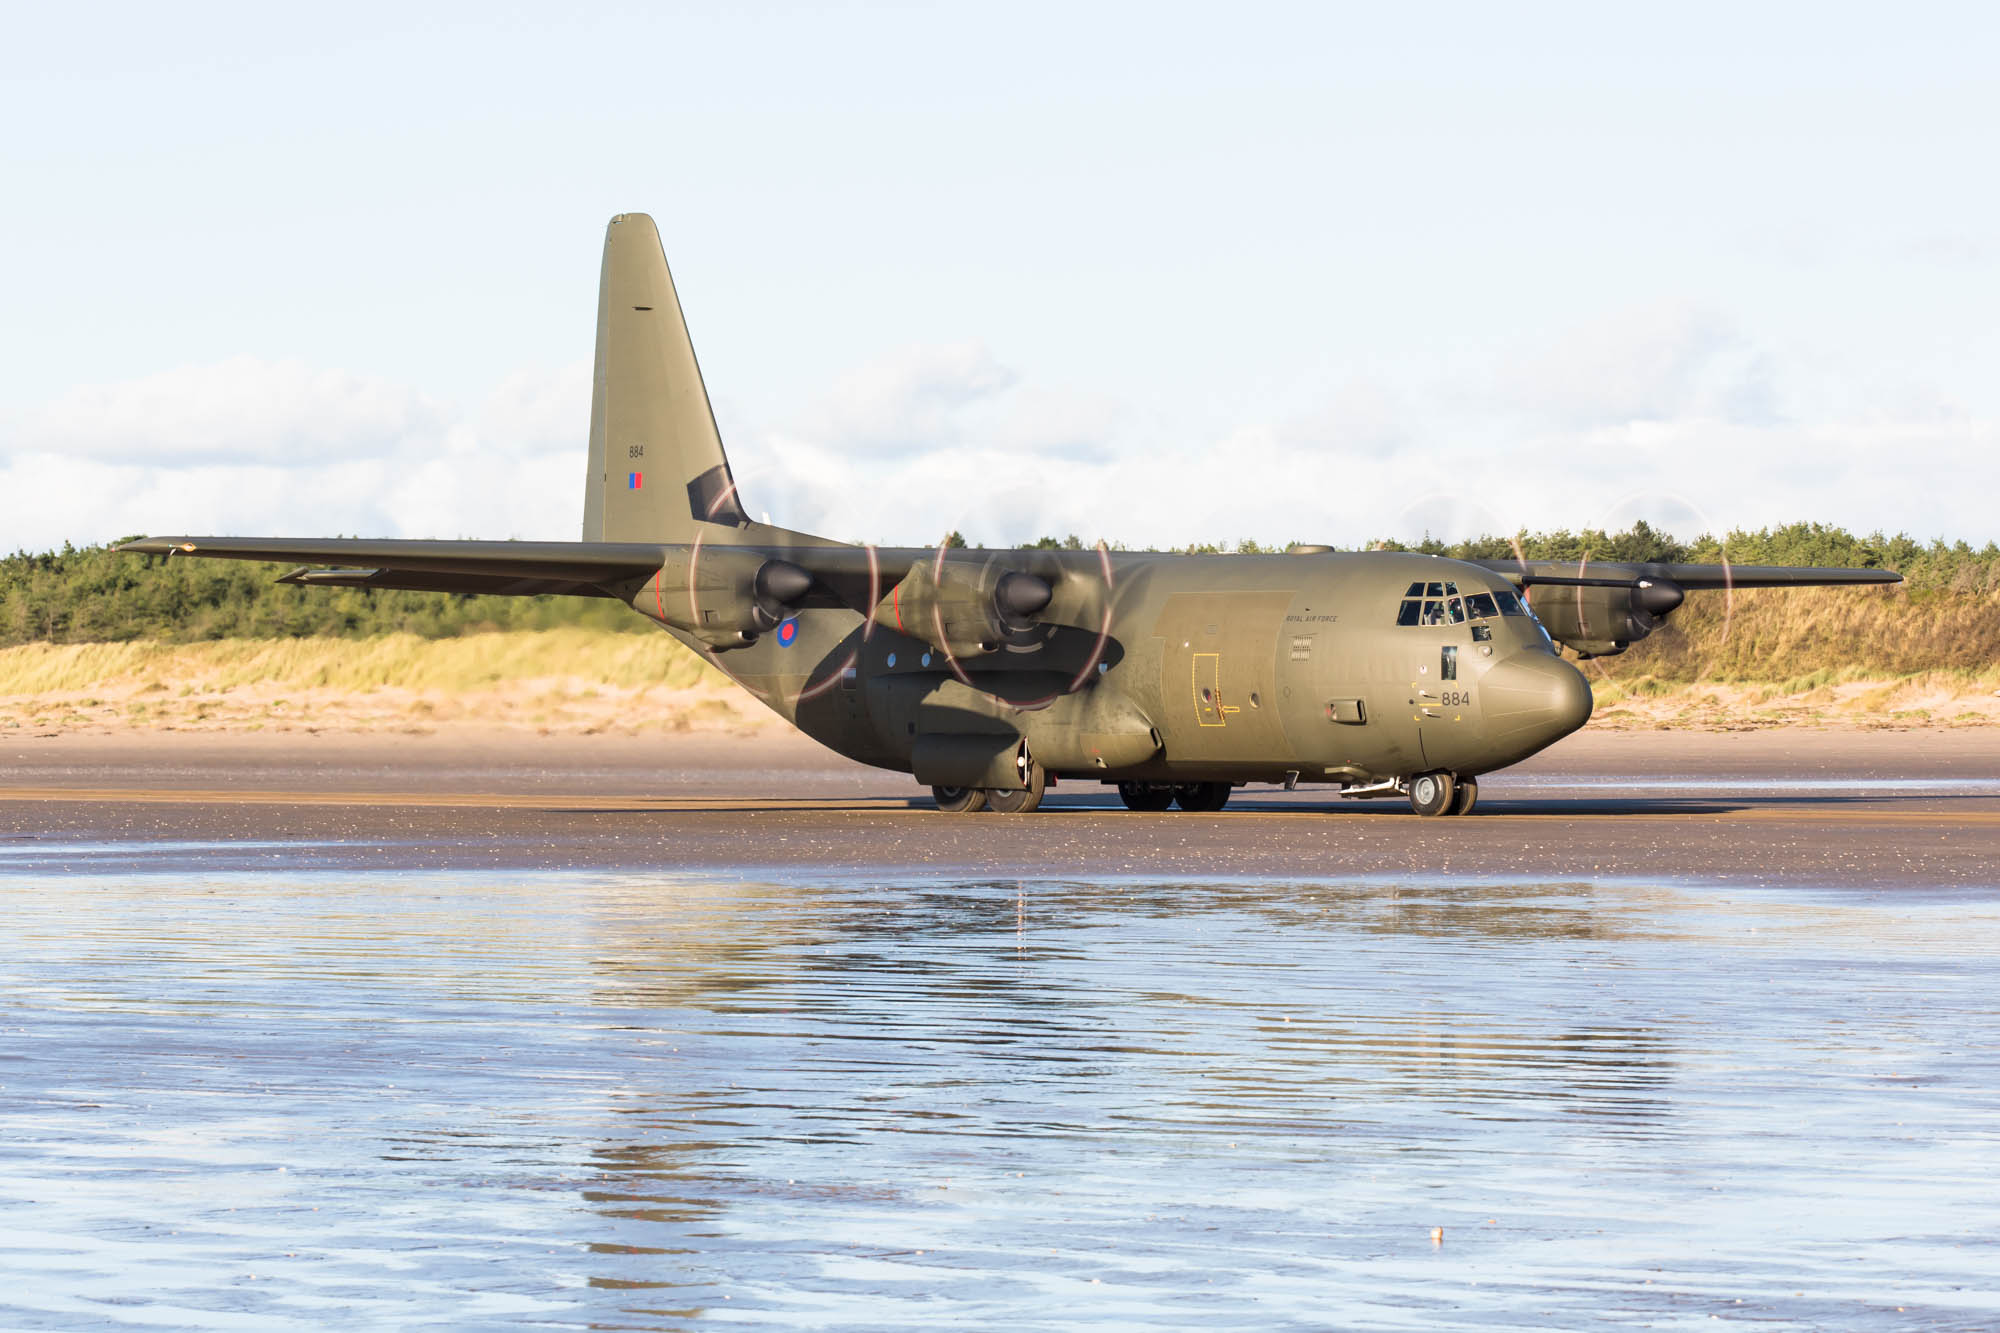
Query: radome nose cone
<point>1535,696</point>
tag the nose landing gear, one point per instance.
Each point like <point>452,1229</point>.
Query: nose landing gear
<point>1442,794</point>
<point>1465,797</point>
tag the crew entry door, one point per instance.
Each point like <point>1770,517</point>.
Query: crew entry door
<point>1434,617</point>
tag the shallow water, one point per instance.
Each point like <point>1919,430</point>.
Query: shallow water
<point>285,1099</point>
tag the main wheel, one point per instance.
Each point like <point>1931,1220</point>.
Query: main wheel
<point>1201,798</point>
<point>1022,801</point>
<point>1465,797</point>
<point>1151,797</point>
<point>1431,793</point>
<point>959,800</point>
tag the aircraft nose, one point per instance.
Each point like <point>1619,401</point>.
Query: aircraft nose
<point>1534,698</point>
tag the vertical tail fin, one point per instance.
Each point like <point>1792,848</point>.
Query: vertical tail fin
<point>657,469</point>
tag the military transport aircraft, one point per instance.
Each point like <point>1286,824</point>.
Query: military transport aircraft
<point>989,674</point>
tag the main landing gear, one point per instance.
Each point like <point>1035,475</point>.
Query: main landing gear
<point>1202,798</point>
<point>1019,801</point>
<point>1442,794</point>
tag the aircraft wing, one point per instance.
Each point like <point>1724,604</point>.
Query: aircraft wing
<point>520,568</point>
<point>851,576</point>
<point>1609,605</point>
<point>1626,574</point>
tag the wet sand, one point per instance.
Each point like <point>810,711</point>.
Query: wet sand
<point>1854,809</point>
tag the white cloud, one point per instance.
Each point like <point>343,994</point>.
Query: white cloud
<point>281,448</point>
<point>1644,365</point>
<point>241,410</point>
<point>912,400</point>
<point>1669,416</point>
<point>1638,425</point>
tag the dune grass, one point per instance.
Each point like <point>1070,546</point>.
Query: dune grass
<point>564,679</point>
<point>1785,635</point>
<point>1834,657</point>
<point>406,661</point>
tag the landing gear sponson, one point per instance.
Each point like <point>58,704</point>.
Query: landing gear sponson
<point>1431,794</point>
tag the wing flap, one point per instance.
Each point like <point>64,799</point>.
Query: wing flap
<point>414,580</point>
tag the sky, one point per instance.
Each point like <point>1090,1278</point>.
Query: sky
<point>1150,273</point>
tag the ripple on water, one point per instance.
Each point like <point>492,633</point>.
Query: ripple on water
<point>284,1099</point>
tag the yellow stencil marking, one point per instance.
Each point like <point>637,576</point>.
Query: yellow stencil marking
<point>1208,711</point>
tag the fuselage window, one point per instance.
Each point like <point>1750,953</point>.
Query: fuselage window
<point>1434,590</point>
<point>1448,663</point>
<point>1411,613</point>
<point>1510,605</point>
<point>1457,609</point>
<point>1414,590</point>
<point>1434,612</point>
<point>1479,606</point>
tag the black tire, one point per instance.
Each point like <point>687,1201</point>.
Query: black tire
<point>1432,793</point>
<point>1201,798</point>
<point>1150,797</point>
<point>1024,801</point>
<point>959,800</point>
<point>1465,797</point>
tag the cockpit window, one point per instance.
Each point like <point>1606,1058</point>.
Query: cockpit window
<point>1440,603</point>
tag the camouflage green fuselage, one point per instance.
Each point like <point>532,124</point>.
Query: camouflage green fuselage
<point>1212,668</point>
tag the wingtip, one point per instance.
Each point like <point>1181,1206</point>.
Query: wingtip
<point>156,546</point>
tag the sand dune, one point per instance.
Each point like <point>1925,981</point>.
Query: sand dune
<point>589,681</point>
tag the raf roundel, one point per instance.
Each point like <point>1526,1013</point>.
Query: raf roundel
<point>787,631</point>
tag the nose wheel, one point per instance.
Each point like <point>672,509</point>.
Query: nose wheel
<point>1464,796</point>
<point>1434,794</point>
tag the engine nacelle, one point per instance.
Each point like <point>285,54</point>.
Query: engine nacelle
<point>1604,621</point>
<point>962,608</point>
<point>722,596</point>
